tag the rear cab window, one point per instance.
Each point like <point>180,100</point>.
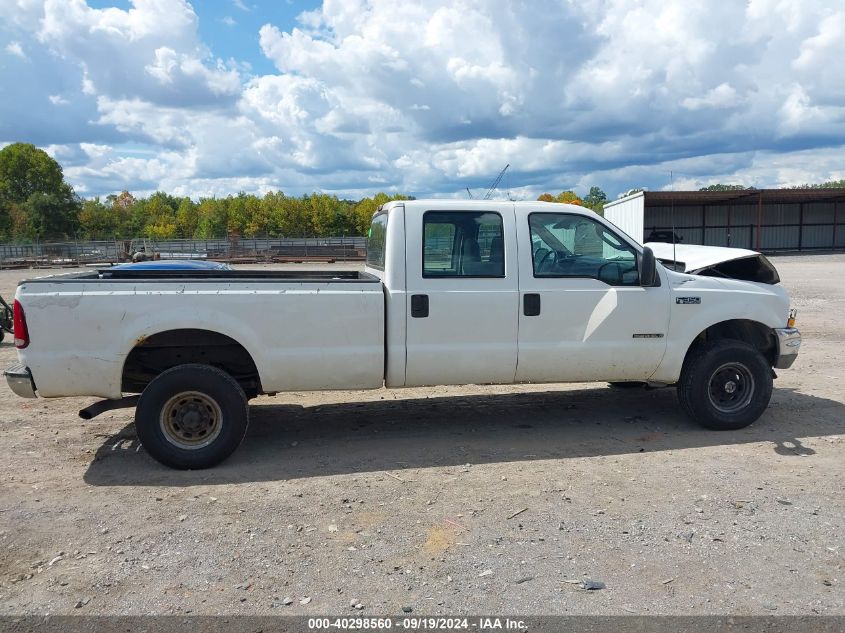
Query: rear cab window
<point>463,244</point>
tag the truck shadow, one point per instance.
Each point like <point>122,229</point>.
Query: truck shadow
<point>287,442</point>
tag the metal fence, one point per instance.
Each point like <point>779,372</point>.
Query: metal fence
<point>235,250</point>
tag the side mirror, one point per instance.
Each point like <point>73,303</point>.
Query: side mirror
<point>648,269</point>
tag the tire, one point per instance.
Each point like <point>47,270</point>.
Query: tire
<point>192,417</point>
<point>725,385</point>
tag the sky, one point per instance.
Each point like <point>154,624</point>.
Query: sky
<point>425,97</point>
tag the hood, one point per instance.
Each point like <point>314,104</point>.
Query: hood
<point>716,261</point>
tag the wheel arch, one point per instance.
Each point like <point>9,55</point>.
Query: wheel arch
<point>757,334</point>
<point>156,352</point>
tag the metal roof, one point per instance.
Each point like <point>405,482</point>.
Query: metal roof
<point>746,196</point>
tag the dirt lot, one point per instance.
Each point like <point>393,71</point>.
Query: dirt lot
<point>470,500</point>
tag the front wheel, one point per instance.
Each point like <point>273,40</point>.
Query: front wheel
<point>192,416</point>
<point>725,385</point>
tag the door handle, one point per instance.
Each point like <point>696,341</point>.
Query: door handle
<point>531,304</point>
<point>419,306</point>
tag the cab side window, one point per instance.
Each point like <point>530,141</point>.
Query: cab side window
<point>463,244</point>
<point>376,240</point>
<point>570,245</point>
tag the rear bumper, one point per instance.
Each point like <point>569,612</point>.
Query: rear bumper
<point>19,379</point>
<point>789,342</point>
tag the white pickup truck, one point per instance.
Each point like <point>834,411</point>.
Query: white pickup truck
<point>453,293</point>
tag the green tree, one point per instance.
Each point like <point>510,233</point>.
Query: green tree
<point>133,218</point>
<point>345,219</point>
<point>98,220</point>
<point>52,215</point>
<point>324,210</point>
<point>295,216</point>
<point>31,182</point>
<point>15,225</point>
<point>257,222</point>
<point>212,218</point>
<point>187,218</point>
<point>569,197</point>
<point>25,170</point>
<point>596,199</point>
<point>287,217</point>
<point>831,184</point>
<point>237,214</point>
<point>160,217</point>
<point>269,215</point>
<point>365,209</point>
<point>721,187</point>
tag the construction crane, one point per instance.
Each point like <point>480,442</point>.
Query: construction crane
<point>496,182</point>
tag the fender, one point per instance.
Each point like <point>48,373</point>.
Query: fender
<point>217,322</point>
<point>697,303</point>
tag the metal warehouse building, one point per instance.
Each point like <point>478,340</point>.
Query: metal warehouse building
<point>758,219</point>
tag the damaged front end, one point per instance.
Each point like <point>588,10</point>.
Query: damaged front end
<point>716,261</point>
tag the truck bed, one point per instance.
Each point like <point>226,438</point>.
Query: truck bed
<point>164,275</point>
<point>302,330</point>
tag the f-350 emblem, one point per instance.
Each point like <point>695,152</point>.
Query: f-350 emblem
<point>688,300</point>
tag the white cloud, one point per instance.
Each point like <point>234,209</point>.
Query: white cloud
<point>15,48</point>
<point>228,20</point>
<point>172,68</point>
<point>95,151</point>
<point>722,96</point>
<point>432,96</point>
<point>151,51</point>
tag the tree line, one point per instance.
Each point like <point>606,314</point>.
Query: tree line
<point>594,200</point>
<point>162,216</point>
<point>830,184</point>
<point>37,203</point>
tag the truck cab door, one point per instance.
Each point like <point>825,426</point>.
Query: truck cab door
<point>463,285</point>
<point>584,315</point>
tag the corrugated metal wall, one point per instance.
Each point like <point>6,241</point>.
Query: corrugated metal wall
<point>627,214</point>
<point>794,226</point>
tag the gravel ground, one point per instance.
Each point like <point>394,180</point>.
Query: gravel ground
<point>446,500</point>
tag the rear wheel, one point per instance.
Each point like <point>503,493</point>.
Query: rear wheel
<point>192,416</point>
<point>725,384</point>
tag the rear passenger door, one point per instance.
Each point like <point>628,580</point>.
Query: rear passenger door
<point>463,285</point>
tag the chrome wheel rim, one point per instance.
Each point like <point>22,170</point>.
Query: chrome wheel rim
<point>731,387</point>
<point>191,420</point>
